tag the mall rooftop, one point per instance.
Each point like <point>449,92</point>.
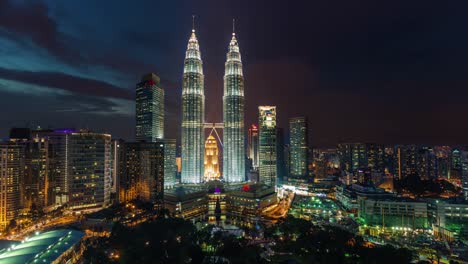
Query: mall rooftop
<point>41,248</point>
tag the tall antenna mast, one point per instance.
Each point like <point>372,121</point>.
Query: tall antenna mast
<point>193,23</point>
<point>233,26</point>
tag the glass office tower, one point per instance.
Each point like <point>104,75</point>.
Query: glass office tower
<point>193,114</point>
<point>267,123</point>
<point>149,109</point>
<point>233,115</point>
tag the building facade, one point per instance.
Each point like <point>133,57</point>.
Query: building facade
<point>353,156</point>
<point>89,169</point>
<point>298,147</point>
<point>11,173</point>
<point>253,149</point>
<point>142,172</point>
<point>116,152</point>
<point>170,166</point>
<point>149,109</point>
<point>406,161</point>
<point>282,157</point>
<point>80,166</point>
<point>37,185</point>
<point>464,165</point>
<point>211,159</point>
<point>193,114</point>
<point>449,218</point>
<point>393,212</point>
<point>267,147</point>
<point>233,116</point>
<point>244,205</point>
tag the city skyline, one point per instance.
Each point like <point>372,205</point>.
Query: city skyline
<point>309,132</point>
<point>72,71</point>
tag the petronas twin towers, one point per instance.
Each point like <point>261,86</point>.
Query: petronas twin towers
<point>193,115</point>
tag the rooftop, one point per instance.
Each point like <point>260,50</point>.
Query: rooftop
<point>41,248</point>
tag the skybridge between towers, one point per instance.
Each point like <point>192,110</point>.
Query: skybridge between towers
<point>214,128</point>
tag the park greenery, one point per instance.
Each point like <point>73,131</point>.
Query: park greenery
<point>292,240</point>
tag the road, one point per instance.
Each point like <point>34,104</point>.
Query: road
<point>280,209</point>
<point>42,225</point>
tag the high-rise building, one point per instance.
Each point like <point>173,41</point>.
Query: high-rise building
<point>80,164</point>
<point>442,154</point>
<point>142,172</point>
<point>267,146</point>
<point>353,156</point>
<point>36,187</point>
<point>375,157</point>
<point>116,153</point>
<point>389,160</point>
<point>89,168</point>
<point>233,116</point>
<point>455,168</point>
<point>37,184</point>
<point>406,159</point>
<point>193,114</point>
<point>456,159</point>
<point>11,173</point>
<point>427,163</point>
<point>170,166</point>
<point>464,165</point>
<point>413,160</point>
<point>282,156</point>
<point>211,159</point>
<point>298,147</point>
<point>149,109</point>
<point>150,123</point>
<point>252,143</point>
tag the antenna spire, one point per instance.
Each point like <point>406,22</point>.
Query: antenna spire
<point>193,23</point>
<point>233,26</point>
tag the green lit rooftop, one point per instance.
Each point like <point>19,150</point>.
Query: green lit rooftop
<point>41,248</point>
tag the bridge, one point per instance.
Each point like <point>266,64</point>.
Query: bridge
<point>214,127</point>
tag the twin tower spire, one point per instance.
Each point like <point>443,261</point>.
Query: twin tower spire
<point>193,115</point>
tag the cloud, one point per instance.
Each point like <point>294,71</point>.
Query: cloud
<point>32,20</point>
<point>62,81</point>
<point>52,109</point>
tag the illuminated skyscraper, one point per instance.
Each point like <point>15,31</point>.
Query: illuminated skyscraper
<point>149,109</point>
<point>353,156</point>
<point>36,185</point>
<point>426,163</point>
<point>170,166</point>
<point>267,161</point>
<point>455,159</point>
<point>464,165</point>
<point>252,143</point>
<point>406,157</point>
<point>89,168</point>
<point>11,173</point>
<point>116,155</point>
<point>211,159</point>
<point>193,114</point>
<point>282,156</point>
<point>298,147</point>
<point>233,115</point>
<point>80,164</point>
<point>142,171</point>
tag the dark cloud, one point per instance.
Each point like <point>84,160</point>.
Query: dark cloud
<point>390,72</point>
<point>74,84</point>
<point>78,111</point>
<point>32,20</point>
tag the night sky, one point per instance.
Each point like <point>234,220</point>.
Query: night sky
<point>376,71</point>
